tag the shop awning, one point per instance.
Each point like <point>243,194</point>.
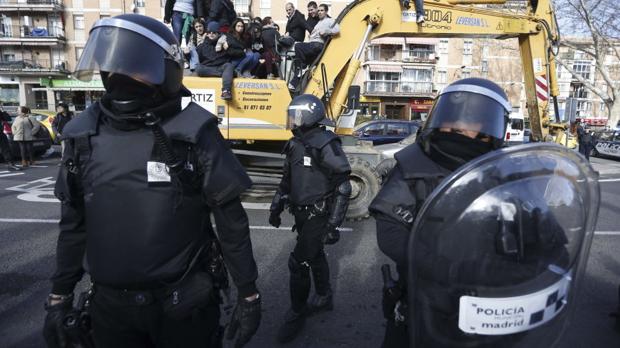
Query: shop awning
<point>385,68</point>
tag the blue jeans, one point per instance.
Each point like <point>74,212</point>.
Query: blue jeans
<point>249,62</point>
<point>177,25</point>
<point>419,7</point>
<point>193,58</point>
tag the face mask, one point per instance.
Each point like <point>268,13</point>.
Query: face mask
<point>128,95</point>
<point>452,150</point>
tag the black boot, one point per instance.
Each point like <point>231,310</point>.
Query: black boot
<point>323,299</point>
<point>293,324</point>
<point>300,290</point>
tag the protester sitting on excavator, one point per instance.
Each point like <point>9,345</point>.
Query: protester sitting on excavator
<point>306,52</point>
<point>215,62</point>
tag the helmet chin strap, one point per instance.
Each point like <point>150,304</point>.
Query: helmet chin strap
<point>135,110</point>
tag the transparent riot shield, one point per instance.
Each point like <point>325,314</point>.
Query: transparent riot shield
<point>499,248</point>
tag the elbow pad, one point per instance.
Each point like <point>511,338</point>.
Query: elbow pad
<point>338,210</point>
<point>278,202</point>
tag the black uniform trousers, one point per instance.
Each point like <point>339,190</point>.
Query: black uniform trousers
<point>136,319</point>
<point>5,147</point>
<point>309,256</point>
<point>305,54</point>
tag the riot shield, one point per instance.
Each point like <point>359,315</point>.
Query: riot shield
<point>499,248</point>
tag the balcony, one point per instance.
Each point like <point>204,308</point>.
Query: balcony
<point>26,35</point>
<point>31,5</point>
<point>419,56</point>
<point>398,88</point>
<point>33,67</point>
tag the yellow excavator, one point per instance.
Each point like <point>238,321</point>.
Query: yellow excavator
<point>255,119</point>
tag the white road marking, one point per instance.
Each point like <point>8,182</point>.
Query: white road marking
<point>54,221</point>
<point>2,175</point>
<point>609,180</point>
<point>607,233</point>
<point>256,206</point>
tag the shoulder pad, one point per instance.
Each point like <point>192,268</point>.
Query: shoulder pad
<point>395,199</point>
<point>414,163</point>
<point>319,139</point>
<point>187,125</point>
<point>84,124</point>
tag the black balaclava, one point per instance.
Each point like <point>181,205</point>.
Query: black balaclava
<point>452,150</point>
<point>127,100</point>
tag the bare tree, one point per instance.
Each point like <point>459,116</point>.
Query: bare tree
<point>593,27</point>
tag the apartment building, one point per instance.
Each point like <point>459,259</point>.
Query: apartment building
<point>41,42</point>
<point>32,45</point>
<point>589,107</point>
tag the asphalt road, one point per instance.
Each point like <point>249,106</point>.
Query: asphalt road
<point>28,233</point>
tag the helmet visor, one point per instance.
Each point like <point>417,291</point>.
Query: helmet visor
<point>295,118</point>
<point>470,112</point>
<point>116,50</point>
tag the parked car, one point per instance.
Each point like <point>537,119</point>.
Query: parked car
<point>607,144</point>
<point>41,144</point>
<point>386,131</point>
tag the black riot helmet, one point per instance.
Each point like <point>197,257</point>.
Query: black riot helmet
<point>471,104</point>
<point>307,111</point>
<point>134,48</point>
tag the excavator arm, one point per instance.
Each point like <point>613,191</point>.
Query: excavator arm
<point>333,71</point>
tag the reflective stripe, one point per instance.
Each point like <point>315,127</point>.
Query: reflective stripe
<point>479,90</point>
<point>172,50</point>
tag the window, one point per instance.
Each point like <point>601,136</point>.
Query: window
<point>468,46</point>
<point>582,67</point>
<point>466,74</point>
<point>8,57</point>
<point>485,51</point>
<point>242,6</point>
<point>442,76</point>
<point>374,52</point>
<point>516,123</point>
<point>397,129</point>
<point>418,75</point>
<point>104,5</point>
<point>265,8</point>
<point>104,16</point>
<point>580,91</point>
<point>6,26</point>
<point>140,3</point>
<point>78,22</point>
<point>485,66</point>
<point>374,129</point>
<point>443,46</point>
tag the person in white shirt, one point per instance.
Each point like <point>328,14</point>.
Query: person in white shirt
<point>306,52</point>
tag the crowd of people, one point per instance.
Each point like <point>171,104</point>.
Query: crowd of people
<point>218,44</point>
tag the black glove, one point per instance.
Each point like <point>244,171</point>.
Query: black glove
<point>274,219</point>
<point>53,331</point>
<point>245,320</point>
<point>332,235</point>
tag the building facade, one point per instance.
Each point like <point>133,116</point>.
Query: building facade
<point>32,45</point>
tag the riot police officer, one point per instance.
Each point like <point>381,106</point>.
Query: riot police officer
<point>468,119</point>
<point>140,178</point>
<point>316,187</point>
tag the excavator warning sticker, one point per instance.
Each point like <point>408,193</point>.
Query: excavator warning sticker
<point>538,65</point>
<point>508,315</point>
<point>541,88</point>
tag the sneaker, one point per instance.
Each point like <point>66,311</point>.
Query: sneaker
<point>319,303</point>
<point>270,77</point>
<point>420,19</point>
<point>247,74</point>
<point>12,166</point>
<point>291,87</point>
<point>226,95</point>
<point>293,324</point>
